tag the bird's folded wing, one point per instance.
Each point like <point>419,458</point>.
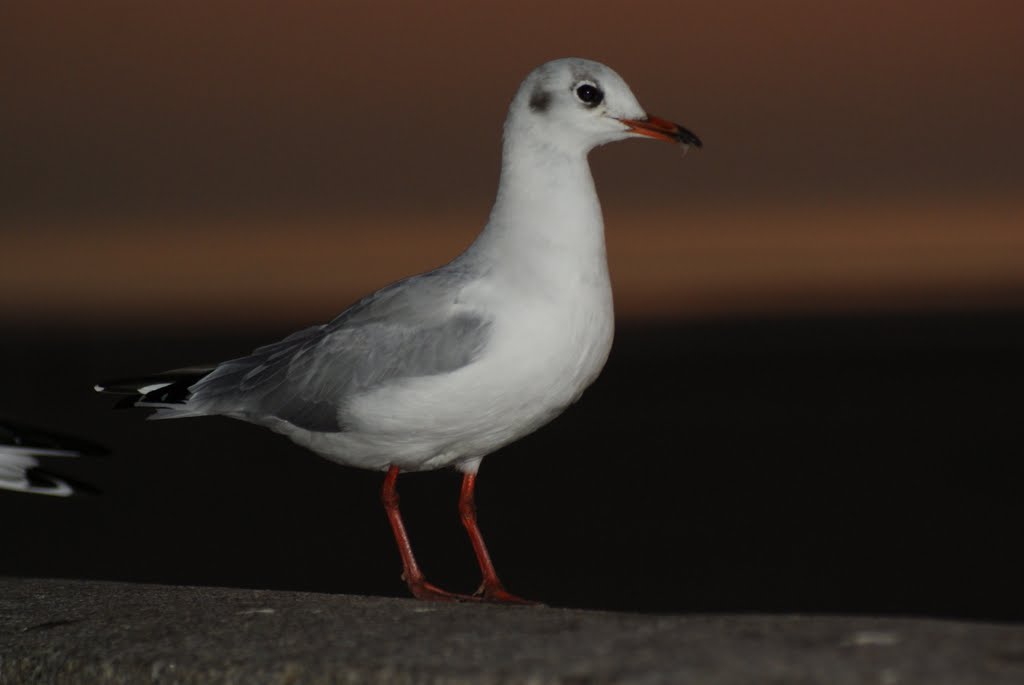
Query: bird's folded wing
<point>403,331</point>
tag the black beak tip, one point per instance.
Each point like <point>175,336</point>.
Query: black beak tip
<point>687,137</point>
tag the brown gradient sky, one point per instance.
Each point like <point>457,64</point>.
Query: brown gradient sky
<point>275,160</point>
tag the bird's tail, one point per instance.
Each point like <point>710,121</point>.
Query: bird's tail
<point>168,392</point>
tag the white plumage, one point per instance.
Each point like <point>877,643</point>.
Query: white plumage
<point>443,368</point>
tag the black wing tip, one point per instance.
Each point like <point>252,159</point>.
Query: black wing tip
<point>170,387</point>
<point>44,480</point>
<point>132,385</point>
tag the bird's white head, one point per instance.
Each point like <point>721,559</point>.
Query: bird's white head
<point>577,104</point>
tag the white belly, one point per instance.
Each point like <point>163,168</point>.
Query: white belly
<point>539,358</point>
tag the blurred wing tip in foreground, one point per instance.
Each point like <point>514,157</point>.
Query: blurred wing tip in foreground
<point>30,479</point>
<point>22,447</point>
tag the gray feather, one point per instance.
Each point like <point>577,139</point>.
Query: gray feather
<point>405,330</point>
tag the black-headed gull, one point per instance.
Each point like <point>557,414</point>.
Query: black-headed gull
<point>445,367</point>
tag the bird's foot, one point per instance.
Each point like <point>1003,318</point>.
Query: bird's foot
<point>496,593</point>
<point>428,591</point>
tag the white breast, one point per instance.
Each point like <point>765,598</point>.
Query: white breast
<point>544,349</point>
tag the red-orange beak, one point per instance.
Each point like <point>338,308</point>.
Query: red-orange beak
<point>662,129</point>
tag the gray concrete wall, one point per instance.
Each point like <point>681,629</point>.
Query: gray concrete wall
<point>69,631</point>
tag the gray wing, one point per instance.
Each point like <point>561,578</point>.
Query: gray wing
<point>406,330</point>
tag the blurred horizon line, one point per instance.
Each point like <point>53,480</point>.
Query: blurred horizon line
<point>665,262</point>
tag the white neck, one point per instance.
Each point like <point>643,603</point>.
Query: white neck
<point>546,214</point>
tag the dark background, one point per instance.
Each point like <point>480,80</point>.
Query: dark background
<point>828,464</point>
<point>814,398</point>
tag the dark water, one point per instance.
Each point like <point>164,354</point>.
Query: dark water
<point>862,464</point>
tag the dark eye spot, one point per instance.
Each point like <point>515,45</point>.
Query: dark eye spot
<point>589,94</point>
<point>540,100</point>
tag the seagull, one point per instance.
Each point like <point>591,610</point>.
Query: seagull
<point>442,368</point>
<point>21,470</point>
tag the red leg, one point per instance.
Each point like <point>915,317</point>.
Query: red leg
<point>491,589</point>
<point>411,574</point>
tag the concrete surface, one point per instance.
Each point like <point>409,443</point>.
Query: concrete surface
<point>69,631</point>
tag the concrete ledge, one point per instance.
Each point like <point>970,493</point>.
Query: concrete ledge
<point>64,631</point>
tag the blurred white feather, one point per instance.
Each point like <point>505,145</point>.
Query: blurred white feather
<point>25,454</point>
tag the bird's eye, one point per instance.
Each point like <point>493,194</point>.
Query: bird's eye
<point>589,94</point>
